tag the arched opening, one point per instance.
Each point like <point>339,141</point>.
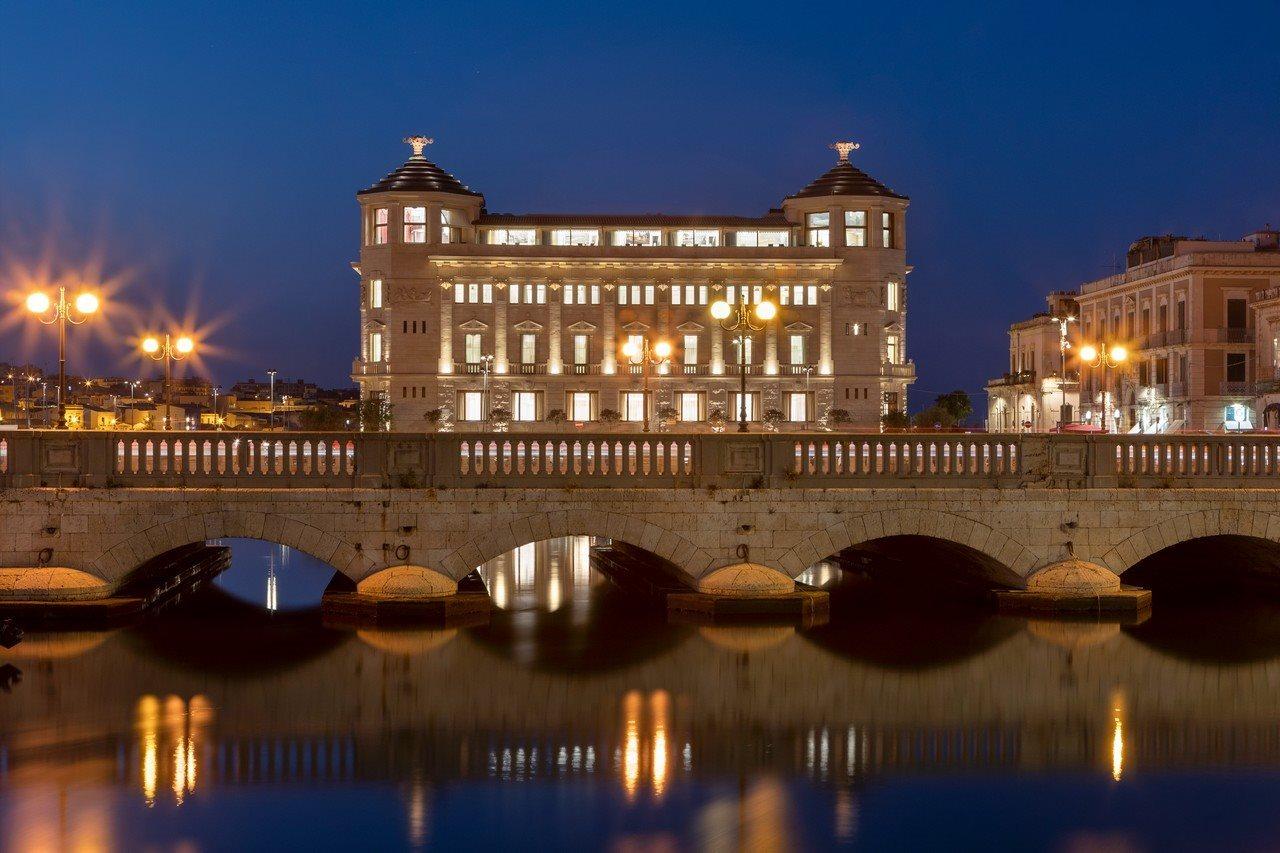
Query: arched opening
<point>1217,599</point>
<point>573,603</point>
<point>918,566</point>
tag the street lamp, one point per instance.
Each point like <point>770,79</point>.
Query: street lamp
<point>168,352</point>
<point>1063,346</point>
<point>486,364</point>
<point>271,417</point>
<point>742,323</point>
<point>61,313</point>
<point>644,356</point>
<point>1105,357</point>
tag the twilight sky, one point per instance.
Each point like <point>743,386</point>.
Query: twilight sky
<point>202,158</point>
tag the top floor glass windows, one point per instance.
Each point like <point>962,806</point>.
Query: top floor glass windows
<point>855,228</point>
<point>381,218</point>
<point>450,226</point>
<point>575,237</point>
<point>473,293</point>
<point>513,237</point>
<point>415,225</point>
<point>581,294</point>
<point>753,294</point>
<point>636,294</point>
<point>886,230</point>
<point>529,294</point>
<point>762,238</point>
<point>697,237</point>
<point>637,237</point>
<point>688,294</point>
<point>798,294</point>
<point>819,228</point>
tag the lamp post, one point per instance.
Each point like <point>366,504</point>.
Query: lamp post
<point>271,416</point>
<point>168,352</point>
<point>1063,346</point>
<point>1106,357</point>
<point>742,322</point>
<point>644,356</point>
<point>486,363</point>
<point>61,313</point>
<point>217,422</point>
<point>808,395</point>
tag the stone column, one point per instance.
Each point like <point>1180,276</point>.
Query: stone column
<point>500,363</point>
<point>433,222</point>
<point>555,365</point>
<point>825,366</point>
<point>771,347</point>
<point>608,321</point>
<point>446,328</point>
<point>717,334</point>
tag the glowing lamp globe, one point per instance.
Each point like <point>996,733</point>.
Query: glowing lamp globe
<point>37,303</point>
<point>1119,354</point>
<point>720,309</point>
<point>185,345</point>
<point>150,345</point>
<point>1088,352</point>
<point>662,349</point>
<point>629,350</point>
<point>86,303</point>
<point>766,310</point>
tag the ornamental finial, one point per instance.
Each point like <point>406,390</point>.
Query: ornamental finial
<point>843,149</point>
<point>417,143</point>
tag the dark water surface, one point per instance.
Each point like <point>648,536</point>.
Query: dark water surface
<point>575,719</point>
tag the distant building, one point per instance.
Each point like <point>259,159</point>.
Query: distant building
<point>1030,397</point>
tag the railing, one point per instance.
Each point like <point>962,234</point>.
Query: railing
<point>582,369</point>
<point>898,371</point>
<point>528,369</point>
<point>1019,378</point>
<point>1230,388</point>
<point>695,369</point>
<point>632,460</point>
<point>1232,336</point>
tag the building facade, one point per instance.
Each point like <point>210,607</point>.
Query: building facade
<point>466,313</point>
<point>1185,310</point>
<point>1042,376</point>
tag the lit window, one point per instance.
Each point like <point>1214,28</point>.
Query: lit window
<point>735,406</point>
<point>855,228</point>
<point>459,293</point>
<point>486,292</point>
<point>633,406</point>
<point>892,349</point>
<point>762,238</point>
<point>472,407</point>
<point>648,294</point>
<point>375,346</point>
<point>819,225</point>
<point>690,349</point>
<point>893,296</point>
<point>575,237</point>
<point>635,343</point>
<point>380,226</point>
<point>375,293</point>
<point>528,348</point>
<point>743,345</point>
<point>580,405</point>
<point>524,405</point>
<point>581,349</point>
<point>540,293</point>
<point>797,349</point>
<point>449,222</point>
<point>797,407</point>
<point>690,410</point>
<point>473,348</point>
<point>415,225</point>
<point>698,237</point>
<point>886,230</point>
<point>635,237</point>
<point>513,237</point>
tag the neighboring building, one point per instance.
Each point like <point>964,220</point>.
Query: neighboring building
<point>1185,309</point>
<point>467,311</point>
<point>1031,396</point>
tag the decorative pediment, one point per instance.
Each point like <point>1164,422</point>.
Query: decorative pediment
<point>635,326</point>
<point>527,326</point>
<point>690,327</point>
<point>473,326</point>
<point>798,327</point>
<point>894,327</point>
<point>582,326</point>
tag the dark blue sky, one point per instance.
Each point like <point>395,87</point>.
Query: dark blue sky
<point>204,156</point>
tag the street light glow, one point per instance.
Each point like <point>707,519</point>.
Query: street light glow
<point>1119,353</point>
<point>185,344</point>
<point>38,303</point>
<point>629,349</point>
<point>766,311</point>
<point>86,303</point>
<point>1088,352</point>
<point>150,345</point>
<point>720,309</point>
<point>662,349</point>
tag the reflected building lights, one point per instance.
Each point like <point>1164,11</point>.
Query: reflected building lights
<point>148,728</point>
<point>659,706</point>
<point>631,743</point>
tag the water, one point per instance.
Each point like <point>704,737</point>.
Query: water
<point>577,720</point>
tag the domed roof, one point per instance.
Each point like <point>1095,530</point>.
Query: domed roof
<point>845,179</point>
<point>418,174</point>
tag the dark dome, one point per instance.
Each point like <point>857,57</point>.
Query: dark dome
<point>845,179</point>
<point>418,174</point>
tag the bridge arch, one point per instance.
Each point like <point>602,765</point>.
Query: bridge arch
<point>1199,524</point>
<point>133,552</point>
<point>882,524</point>
<point>503,537</point>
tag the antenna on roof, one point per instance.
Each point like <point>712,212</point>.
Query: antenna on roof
<point>417,143</point>
<point>843,149</point>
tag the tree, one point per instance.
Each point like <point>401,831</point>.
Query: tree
<point>894,420</point>
<point>321,418</point>
<point>434,416</point>
<point>839,417</point>
<point>375,414</point>
<point>666,416</point>
<point>610,416</point>
<point>773,419</point>
<point>956,404</point>
<point>500,418</point>
<point>716,420</point>
<point>556,416</point>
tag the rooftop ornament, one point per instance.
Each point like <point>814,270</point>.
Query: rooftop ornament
<point>417,143</point>
<point>843,148</point>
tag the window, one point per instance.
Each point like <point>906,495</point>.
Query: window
<point>635,294</point>
<point>581,349</point>
<point>375,293</point>
<point>743,354</point>
<point>513,237</point>
<point>797,407</point>
<point>375,346</point>
<point>1236,313</point>
<point>797,349</point>
<point>380,226</point>
<point>575,237</point>
<point>524,406</point>
<point>633,405</point>
<point>798,294</point>
<point>635,343</point>
<point>855,228</point>
<point>819,225</point>
<point>450,220</point>
<point>735,406</point>
<point>473,348</point>
<point>415,225</point>
<point>528,348</point>
<point>697,237</point>
<point>690,349</point>
<point>689,406</point>
<point>855,328</point>
<point>530,295</point>
<point>1238,416</point>
<point>762,238</point>
<point>580,405</point>
<point>1182,315</point>
<point>751,294</point>
<point>471,406</point>
<point>637,237</point>
<point>886,230</point>
<point>474,293</point>
<point>893,296</point>
<point>581,294</point>
<point>892,349</point>
<point>1236,367</point>
<point>688,294</point>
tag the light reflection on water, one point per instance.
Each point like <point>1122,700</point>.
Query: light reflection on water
<point>578,718</point>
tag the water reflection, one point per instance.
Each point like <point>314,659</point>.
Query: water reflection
<point>579,719</point>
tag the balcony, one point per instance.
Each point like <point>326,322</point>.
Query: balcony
<point>898,371</point>
<point>531,369</point>
<point>1178,390</point>
<point>797,369</point>
<point>693,369</point>
<point>1022,377</point>
<point>368,368</point>
<point>582,369</point>
<point>1231,388</point>
<point>476,367</point>
<point>1232,336</point>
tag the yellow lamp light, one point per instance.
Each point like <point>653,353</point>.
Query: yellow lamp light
<point>1119,354</point>
<point>720,309</point>
<point>662,349</point>
<point>86,303</point>
<point>150,345</point>
<point>185,345</point>
<point>629,349</point>
<point>1088,352</point>
<point>38,303</point>
<point>766,310</point>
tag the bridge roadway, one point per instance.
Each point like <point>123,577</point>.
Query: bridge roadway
<point>405,516</point>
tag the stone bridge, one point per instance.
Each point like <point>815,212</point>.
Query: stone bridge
<point>407,516</point>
